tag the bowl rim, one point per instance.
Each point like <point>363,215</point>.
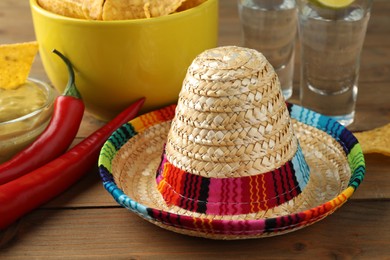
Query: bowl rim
<point>51,94</point>
<point>192,11</point>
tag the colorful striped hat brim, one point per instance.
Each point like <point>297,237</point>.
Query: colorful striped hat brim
<point>129,159</point>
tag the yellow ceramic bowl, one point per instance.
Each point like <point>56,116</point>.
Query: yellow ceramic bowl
<point>117,62</point>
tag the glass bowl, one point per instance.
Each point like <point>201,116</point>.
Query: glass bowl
<point>20,130</point>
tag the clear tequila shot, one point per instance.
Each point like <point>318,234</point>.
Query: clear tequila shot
<point>331,42</point>
<point>269,26</point>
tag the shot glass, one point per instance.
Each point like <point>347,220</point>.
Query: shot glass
<point>331,40</point>
<point>270,26</point>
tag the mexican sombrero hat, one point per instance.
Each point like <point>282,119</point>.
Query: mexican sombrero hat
<point>232,160</point>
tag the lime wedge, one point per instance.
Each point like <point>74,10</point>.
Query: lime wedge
<point>335,3</point>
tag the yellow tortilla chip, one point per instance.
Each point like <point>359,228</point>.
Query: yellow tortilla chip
<point>15,63</point>
<point>116,9</point>
<point>147,10</point>
<point>124,9</point>
<point>93,9</point>
<point>376,140</point>
<point>188,4</point>
<point>69,8</point>
<point>138,9</point>
<point>160,8</point>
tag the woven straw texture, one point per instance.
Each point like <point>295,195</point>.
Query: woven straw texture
<point>231,122</point>
<point>129,159</point>
<point>231,119</point>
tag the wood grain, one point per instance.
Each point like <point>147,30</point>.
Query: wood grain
<point>115,233</point>
<point>86,223</point>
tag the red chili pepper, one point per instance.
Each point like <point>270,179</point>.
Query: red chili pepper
<point>22,195</point>
<point>55,139</point>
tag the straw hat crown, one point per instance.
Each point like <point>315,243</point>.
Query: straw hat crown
<point>238,162</point>
<point>231,130</point>
<point>231,119</point>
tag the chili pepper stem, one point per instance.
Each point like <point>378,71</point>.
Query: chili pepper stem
<point>68,111</point>
<point>70,89</point>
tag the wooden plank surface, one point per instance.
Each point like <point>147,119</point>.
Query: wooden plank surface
<point>85,222</point>
<point>117,234</point>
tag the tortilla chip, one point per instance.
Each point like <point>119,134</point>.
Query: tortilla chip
<point>116,9</point>
<point>161,8</point>
<point>93,9</point>
<point>376,140</point>
<point>69,8</point>
<point>138,9</point>
<point>15,63</point>
<point>188,4</point>
<point>147,10</point>
<point>123,10</point>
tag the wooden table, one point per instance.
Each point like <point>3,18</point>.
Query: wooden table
<point>85,222</point>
